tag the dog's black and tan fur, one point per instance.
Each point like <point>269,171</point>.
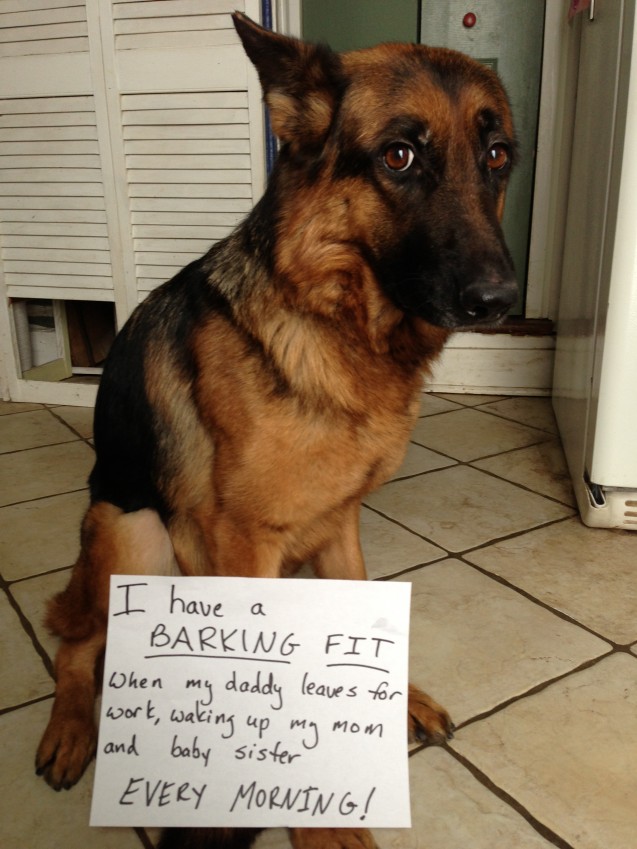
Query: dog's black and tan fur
<point>251,402</point>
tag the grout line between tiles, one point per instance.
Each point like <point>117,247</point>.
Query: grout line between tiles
<point>482,409</point>
<point>48,697</point>
<point>533,691</point>
<point>530,597</point>
<point>439,413</point>
<point>542,829</point>
<point>404,527</point>
<point>28,628</point>
<point>144,839</point>
<point>70,427</point>
<point>515,483</point>
<point>469,464</point>
<point>514,534</point>
<point>461,552</point>
<point>20,413</point>
<point>495,453</point>
<point>540,430</point>
<point>71,441</point>
<point>409,569</point>
<point>436,451</point>
<point>44,497</point>
<point>25,578</point>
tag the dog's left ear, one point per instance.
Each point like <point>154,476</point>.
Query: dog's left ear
<point>301,82</point>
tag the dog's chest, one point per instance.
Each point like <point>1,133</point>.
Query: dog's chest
<point>295,457</point>
<point>305,466</point>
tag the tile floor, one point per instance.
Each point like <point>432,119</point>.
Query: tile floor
<point>524,625</point>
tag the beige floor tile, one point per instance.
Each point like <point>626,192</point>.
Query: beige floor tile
<point>388,548</point>
<point>535,412</point>
<point>273,838</point>
<point>9,407</point>
<point>418,460</point>
<point>79,418</point>
<point>32,595</point>
<point>23,675</point>
<point>541,468</point>
<point>452,810</point>
<point>469,434</point>
<point>36,817</point>
<point>588,573</point>
<point>476,643</point>
<point>41,472</point>
<point>37,536</point>
<point>460,507</point>
<point>32,429</point>
<point>432,404</point>
<point>568,753</point>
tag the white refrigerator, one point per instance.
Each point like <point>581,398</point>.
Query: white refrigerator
<point>595,380</point>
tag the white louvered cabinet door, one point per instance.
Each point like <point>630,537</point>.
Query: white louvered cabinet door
<point>192,131</point>
<point>55,243</point>
<point>131,138</point>
<point>52,209</point>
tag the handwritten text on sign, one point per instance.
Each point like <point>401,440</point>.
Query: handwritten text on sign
<point>254,702</point>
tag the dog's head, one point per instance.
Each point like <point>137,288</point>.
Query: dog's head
<point>393,168</point>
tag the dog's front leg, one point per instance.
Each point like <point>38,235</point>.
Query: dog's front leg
<point>70,738</point>
<point>113,542</point>
<point>341,557</point>
<point>212,542</point>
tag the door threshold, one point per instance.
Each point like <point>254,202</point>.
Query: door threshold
<point>518,326</point>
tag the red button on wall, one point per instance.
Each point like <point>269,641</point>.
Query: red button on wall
<point>469,20</point>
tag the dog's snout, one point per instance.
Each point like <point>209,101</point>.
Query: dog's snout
<point>488,298</point>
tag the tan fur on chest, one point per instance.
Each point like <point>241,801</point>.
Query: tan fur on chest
<point>288,449</point>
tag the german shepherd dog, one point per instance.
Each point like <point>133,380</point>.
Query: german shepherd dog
<point>252,401</point>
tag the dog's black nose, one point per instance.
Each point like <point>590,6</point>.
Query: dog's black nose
<point>488,299</point>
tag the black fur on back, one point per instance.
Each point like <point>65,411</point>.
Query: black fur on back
<point>125,441</point>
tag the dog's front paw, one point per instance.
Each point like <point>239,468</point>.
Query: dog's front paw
<point>332,838</point>
<point>428,721</point>
<point>66,749</point>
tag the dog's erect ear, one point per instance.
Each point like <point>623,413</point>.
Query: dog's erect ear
<point>301,82</point>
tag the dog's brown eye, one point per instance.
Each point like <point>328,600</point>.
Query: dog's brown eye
<point>398,157</point>
<point>497,157</point>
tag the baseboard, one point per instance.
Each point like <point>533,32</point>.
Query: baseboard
<point>495,364</point>
<point>68,393</point>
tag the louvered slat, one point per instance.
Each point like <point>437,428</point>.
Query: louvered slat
<point>52,210</point>
<point>36,48</point>
<point>8,6</point>
<point>174,23</point>
<point>31,27</point>
<point>172,8</point>
<point>188,161</point>
<point>190,204</point>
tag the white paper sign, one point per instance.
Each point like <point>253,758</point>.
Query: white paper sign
<point>254,702</point>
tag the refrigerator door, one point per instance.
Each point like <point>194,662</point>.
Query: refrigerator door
<point>611,447</point>
<point>596,333</point>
